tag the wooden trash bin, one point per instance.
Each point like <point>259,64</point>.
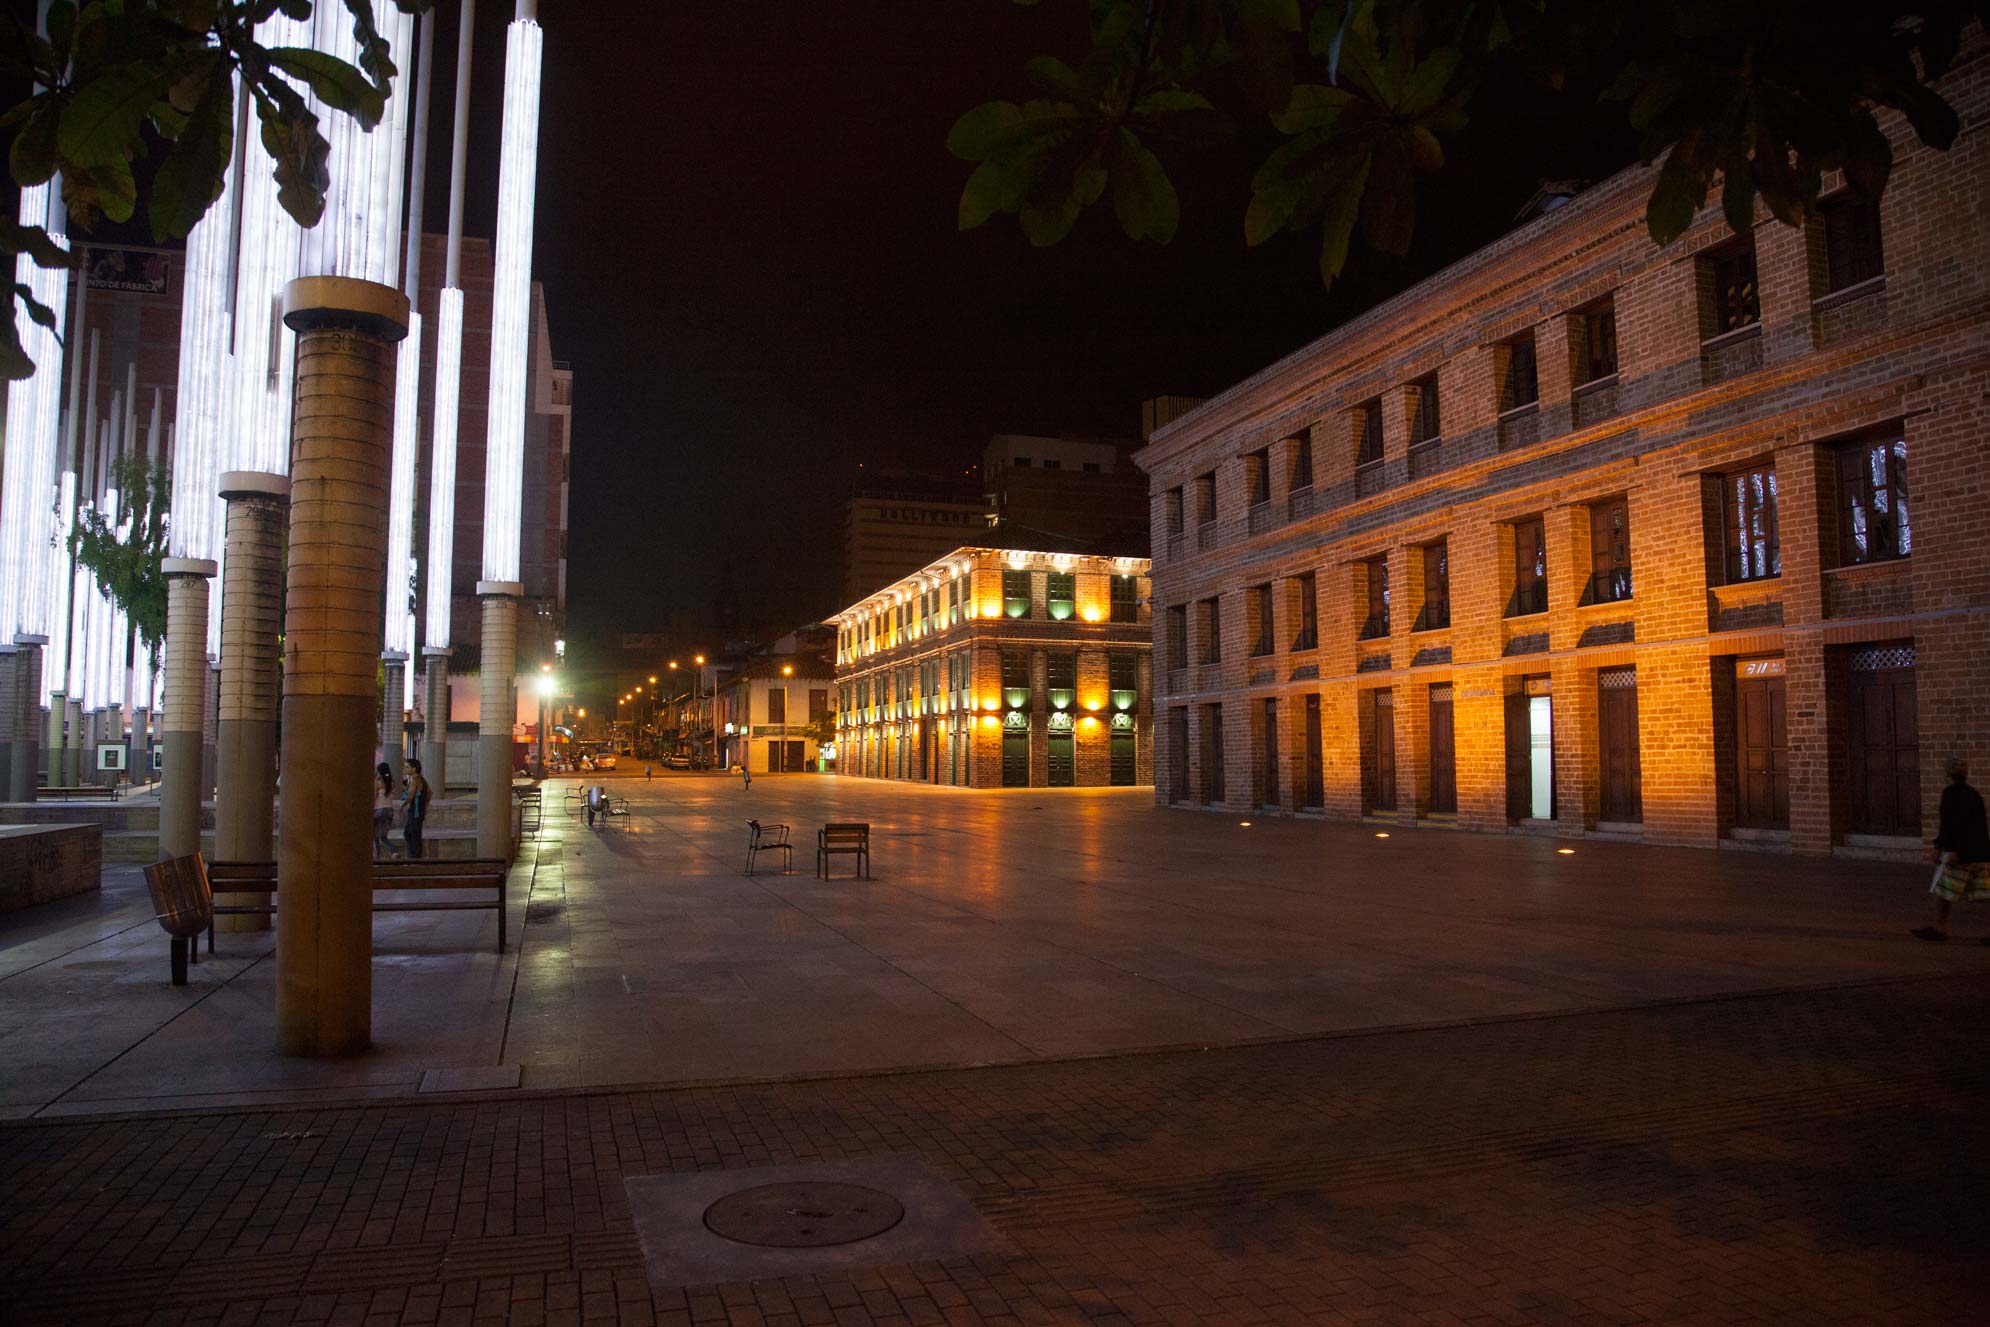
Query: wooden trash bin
<point>183,904</point>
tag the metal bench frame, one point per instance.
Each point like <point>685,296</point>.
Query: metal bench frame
<point>429,873</point>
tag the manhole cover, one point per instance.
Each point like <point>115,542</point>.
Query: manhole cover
<point>803,1215</point>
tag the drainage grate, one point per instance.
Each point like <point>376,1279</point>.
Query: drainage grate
<point>803,1215</point>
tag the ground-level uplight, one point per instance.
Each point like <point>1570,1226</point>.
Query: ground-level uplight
<point>1245,823</point>
<point>1381,833</point>
<point>1566,852</point>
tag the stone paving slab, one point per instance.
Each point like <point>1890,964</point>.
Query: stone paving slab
<point>1001,926</point>
<point>1811,1158</point>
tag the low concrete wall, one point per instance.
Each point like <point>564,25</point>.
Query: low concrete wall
<point>40,863</point>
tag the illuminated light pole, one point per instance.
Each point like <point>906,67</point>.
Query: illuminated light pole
<point>194,534</point>
<point>442,449</point>
<point>28,488</point>
<point>504,450</point>
<point>400,625</point>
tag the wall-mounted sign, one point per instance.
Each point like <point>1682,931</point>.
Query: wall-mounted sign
<point>110,757</point>
<point>137,270</point>
<point>1759,667</point>
<point>1540,686</point>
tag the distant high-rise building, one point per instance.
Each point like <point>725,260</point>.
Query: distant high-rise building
<point>896,523</point>
<point>1066,495</point>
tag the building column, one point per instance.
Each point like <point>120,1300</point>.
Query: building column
<point>496,707</point>
<point>210,753</point>
<point>53,743</point>
<point>393,711</point>
<point>251,682</point>
<point>27,725</point>
<point>435,720</point>
<point>341,435</point>
<point>185,704</point>
<point>10,674</point>
<point>72,752</point>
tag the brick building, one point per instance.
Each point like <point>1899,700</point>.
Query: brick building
<point>1590,536</point>
<point>1000,668</point>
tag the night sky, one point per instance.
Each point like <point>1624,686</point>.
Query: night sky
<point>746,231</point>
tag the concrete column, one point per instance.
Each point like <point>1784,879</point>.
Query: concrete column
<point>53,742</point>
<point>185,704</point>
<point>341,436</point>
<point>435,720</point>
<point>251,682</point>
<point>393,717</point>
<point>27,724</point>
<point>10,672</point>
<point>72,751</point>
<point>496,707</point>
<point>210,752</point>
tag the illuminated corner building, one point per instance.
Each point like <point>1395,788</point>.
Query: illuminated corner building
<point>548,446</point>
<point>1587,536</point>
<point>895,523</point>
<point>995,668</point>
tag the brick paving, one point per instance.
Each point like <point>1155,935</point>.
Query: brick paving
<point>1806,1158</point>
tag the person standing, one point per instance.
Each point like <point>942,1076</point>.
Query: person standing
<point>417,798</point>
<point>1961,851</point>
<point>745,776</point>
<point>383,811</point>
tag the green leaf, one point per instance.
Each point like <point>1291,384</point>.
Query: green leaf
<point>1312,107</point>
<point>1337,222</point>
<point>33,241</point>
<point>15,366</point>
<point>332,81</point>
<point>985,130</point>
<point>1680,190</point>
<point>195,170</point>
<point>991,189</point>
<point>102,120</point>
<point>1270,209</point>
<point>1388,203</point>
<point>33,155</point>
<point>1056,75</point>
<point>1427,84</point>
<point>1738,190</point>
<point>1048,218</point>
<point>1143,197</point>
<point>1173,100</point>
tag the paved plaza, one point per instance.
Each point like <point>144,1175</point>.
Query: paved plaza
<point>999,927</point>
<point>1429,1078</point>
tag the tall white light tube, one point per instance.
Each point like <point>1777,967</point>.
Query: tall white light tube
<point>360,232</point>
<point>205,327</point>
<point>400,636</point>
<point>442,468</point>
<point>511,301</point>
<point>28,476</point>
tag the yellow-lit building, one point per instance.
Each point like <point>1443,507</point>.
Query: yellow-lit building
<point>1000,668</point>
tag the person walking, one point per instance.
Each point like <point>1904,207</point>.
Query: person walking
<point>383,812</point>
<point>1961,851</point>
<point>746,776</point>
<point>646,771</point>
<point>417,798</point>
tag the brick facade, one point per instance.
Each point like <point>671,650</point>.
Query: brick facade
<point>1592,529</point>
<point>944,677</point>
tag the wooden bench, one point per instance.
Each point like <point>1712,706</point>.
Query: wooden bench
<point>429,873</point>
<point>852,837</point>
<point>184,906</point>
<point>69,792</point>
<point>769,838</point>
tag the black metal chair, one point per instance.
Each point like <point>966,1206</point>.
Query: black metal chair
<point>769,838</point>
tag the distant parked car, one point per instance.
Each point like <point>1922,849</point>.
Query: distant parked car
<point>604,761</point>
<point>677,760</point>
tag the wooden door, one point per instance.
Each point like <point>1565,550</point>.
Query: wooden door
<point>1268,784</point>
<point>1212,754</point>
<point>1379,732</point>
<point>1178,755</point>
<point>1884,742</point>
<point>1443,754</point>
<point>1015,758</point>
<point>797,760</point>
<point>1617,734</point>
<point>1063,758</point>
<point>1123,770</point>
<point>1762,750</point>
<point>1519,766</point>
<point>1316,789</point>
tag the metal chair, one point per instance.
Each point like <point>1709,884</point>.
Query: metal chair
<point>769,838</point>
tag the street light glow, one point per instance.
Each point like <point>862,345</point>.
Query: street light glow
<point>546,684</point>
